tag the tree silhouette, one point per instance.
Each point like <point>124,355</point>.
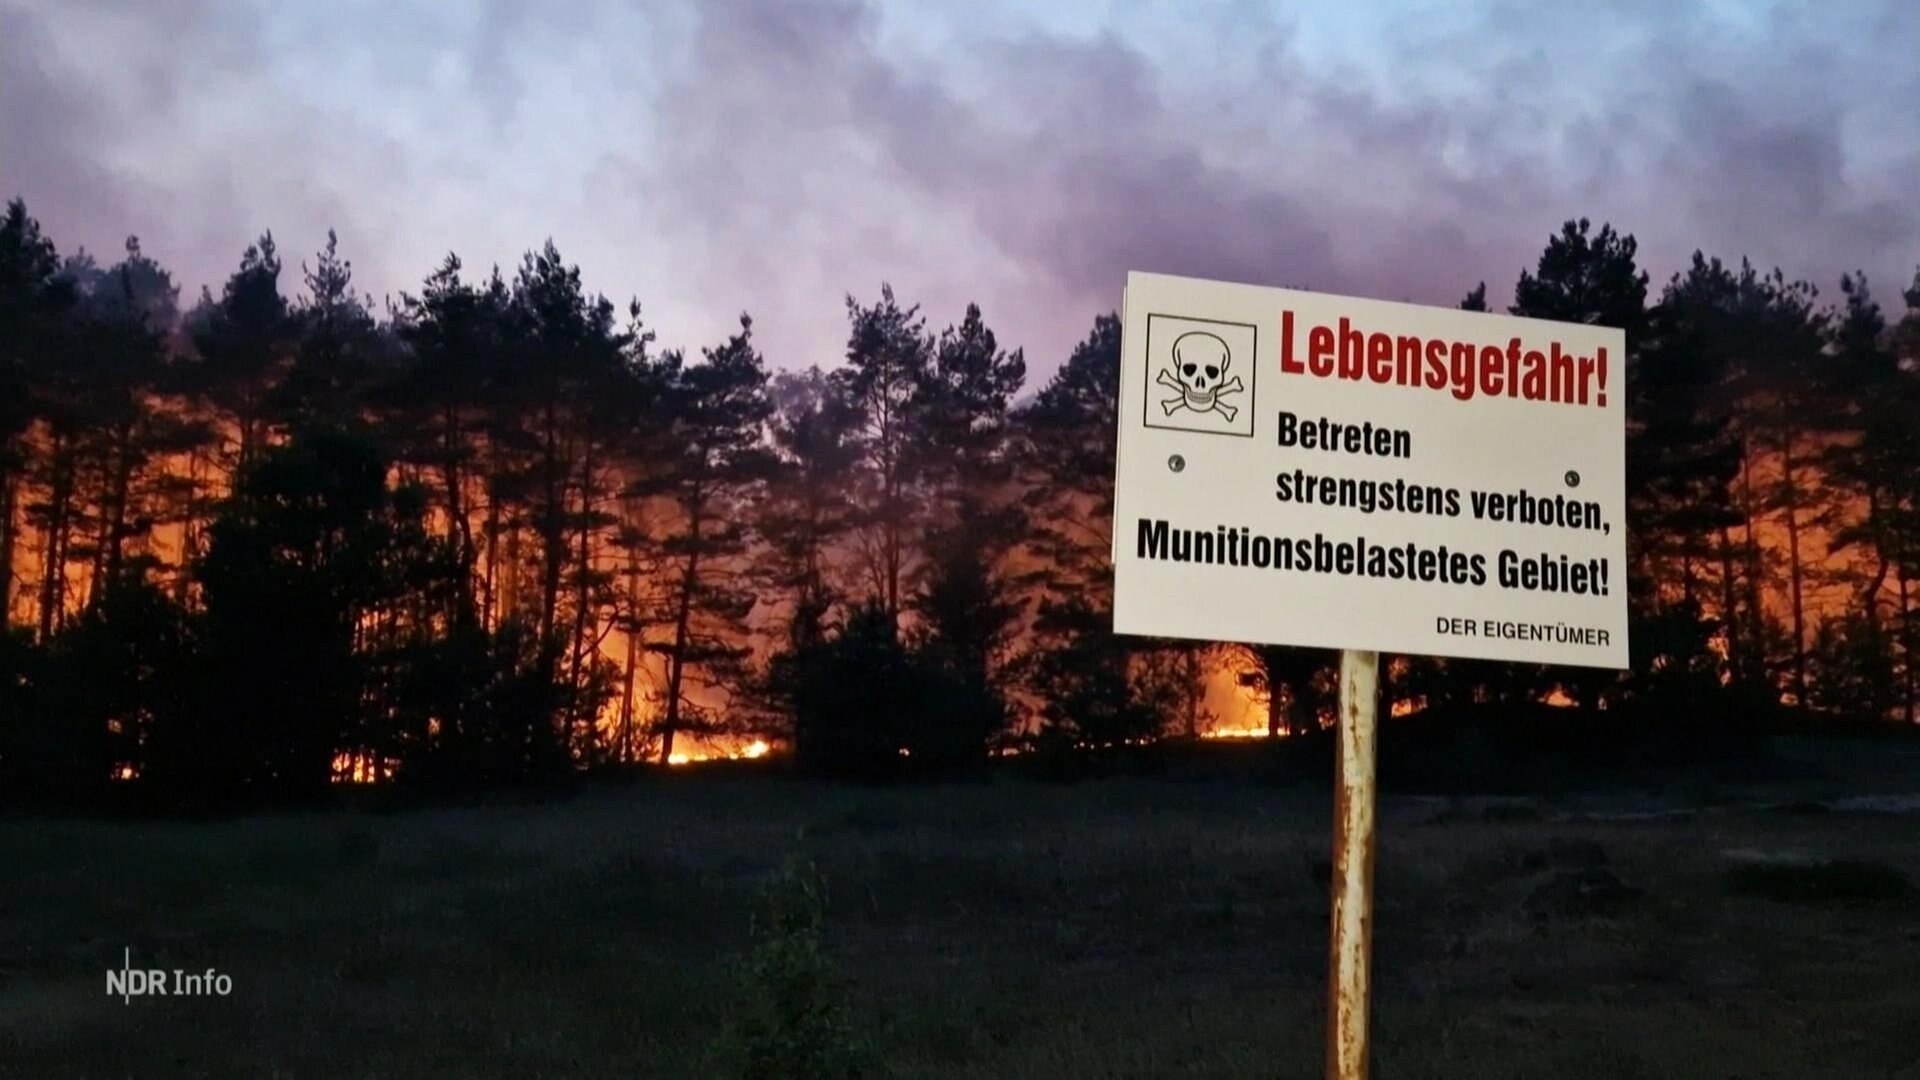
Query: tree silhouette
<point>1078,668</point>
<point>713,464</point>
<point>32,302</point>
<point>488,536</point>
<point>244,341</point>
<point>305,564</point>
<point>1875,400</point>
<point>809,506</point>
<point>966,602</point>
<point>887,357</point>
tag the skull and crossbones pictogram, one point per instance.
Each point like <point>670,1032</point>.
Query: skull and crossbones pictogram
<point>1200,362</point>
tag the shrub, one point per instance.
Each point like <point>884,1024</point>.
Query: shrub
<point>793,1022</point>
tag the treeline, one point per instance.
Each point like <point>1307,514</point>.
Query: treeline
<point>492,531</point>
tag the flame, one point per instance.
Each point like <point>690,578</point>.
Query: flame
<point>355,768</point>
<point>758,748</point>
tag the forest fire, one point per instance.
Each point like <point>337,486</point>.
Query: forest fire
<point>1243,733</point>
<point>721,750</point>
<point>507,583</point>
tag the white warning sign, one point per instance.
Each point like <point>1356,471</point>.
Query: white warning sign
<point>1305,469</point>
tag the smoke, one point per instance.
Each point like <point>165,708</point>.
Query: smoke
<point>770,156</point>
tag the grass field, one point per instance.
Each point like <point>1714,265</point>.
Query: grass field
<point>1111,928</point>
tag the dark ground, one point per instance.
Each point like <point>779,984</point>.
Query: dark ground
<point>1168,925</point>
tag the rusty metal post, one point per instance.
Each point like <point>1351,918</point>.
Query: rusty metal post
<point>1351,954</point>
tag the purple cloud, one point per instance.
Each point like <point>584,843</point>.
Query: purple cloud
<point>770,156</point>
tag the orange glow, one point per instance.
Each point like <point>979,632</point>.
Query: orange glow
<point>1238,733</point>
<point>758,748</point>
<point>351,768</point>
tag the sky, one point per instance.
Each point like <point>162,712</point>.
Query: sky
<point>709,157</point>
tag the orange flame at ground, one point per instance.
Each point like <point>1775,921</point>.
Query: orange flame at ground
<point>758,748</point>
<point>1239,733</point>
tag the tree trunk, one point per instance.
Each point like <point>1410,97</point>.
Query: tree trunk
<point>893,508</point>
<point>53,577</point>
<point>1196,691</point>
<point>1906,646</point>
<point>583,587</point>
<point>553,542</point>
<point>490,608</point>
<point>1796,575</point>
<point>1882,693</point>
<point>510,571</point>
<point>189,531</point>
<point>1756,615</point>
<point>248,439</point>
<point>459,527</point>
<point>1277,718</point>
<point>891,541</point>
<point>122,492</point>
<point>551,525</point>
<point>1730,614</point>
<point>633,658</point>
<point>676,662</point>
<point>6,542</point>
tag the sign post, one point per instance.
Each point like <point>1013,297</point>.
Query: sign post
<point>1350,957</point>
<point>1332,472</point>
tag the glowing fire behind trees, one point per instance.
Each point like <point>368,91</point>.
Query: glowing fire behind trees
<point>1231,711</point>
<point>523,422</point>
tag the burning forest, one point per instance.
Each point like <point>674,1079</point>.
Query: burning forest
<point>491,531</point>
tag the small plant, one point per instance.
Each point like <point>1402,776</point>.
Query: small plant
<point>793,1021</point>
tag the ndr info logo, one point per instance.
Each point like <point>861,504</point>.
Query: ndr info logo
<point>131,982</point>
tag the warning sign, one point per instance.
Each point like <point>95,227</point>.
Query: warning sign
<point>1394,477</point>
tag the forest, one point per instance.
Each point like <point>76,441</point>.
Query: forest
<point>281,537</point>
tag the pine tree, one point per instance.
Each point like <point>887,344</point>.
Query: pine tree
<point>1592,278</point>
<point>564,361</point>
<point>309,567</point>
<point>1874,465</point>
<point>245,341</point>
<point>966,602</point>
<point>1680,469</point>
<point>122,382</point>
<point>435,404</point>
<point>809,506</point>
<point>1075,665</point>
<point>33,302</point>
<point>339,346</point>
<point>888,353</point>
<point>713,463</point>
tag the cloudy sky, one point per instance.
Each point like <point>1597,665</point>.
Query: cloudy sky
<point>709,156</point>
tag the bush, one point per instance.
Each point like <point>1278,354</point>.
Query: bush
<point>867,704</point>
<point>793,1021</point>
